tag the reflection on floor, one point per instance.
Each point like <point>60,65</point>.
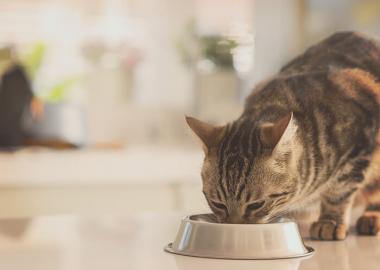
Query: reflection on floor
<point>136,242</point>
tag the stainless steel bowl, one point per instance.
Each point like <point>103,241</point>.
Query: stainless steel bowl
<point>201,236</point>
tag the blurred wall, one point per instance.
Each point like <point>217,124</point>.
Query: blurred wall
<point>135,87</point>
<point>279,35</point>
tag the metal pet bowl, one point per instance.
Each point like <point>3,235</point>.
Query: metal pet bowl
<point>202,236</point>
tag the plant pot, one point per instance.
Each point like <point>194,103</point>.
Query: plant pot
<point>63,121</point>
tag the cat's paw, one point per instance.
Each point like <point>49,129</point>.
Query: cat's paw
<point>328,230</point>
<point>369,224</point>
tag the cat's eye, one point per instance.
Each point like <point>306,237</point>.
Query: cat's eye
<point>219,206</point>
<point>254,206</point>
<point>276,195</point>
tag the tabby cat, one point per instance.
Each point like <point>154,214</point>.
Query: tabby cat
<point>309,133</point>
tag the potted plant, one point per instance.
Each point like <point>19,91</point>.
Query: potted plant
<point>210,57</point>
<point>63,120</point>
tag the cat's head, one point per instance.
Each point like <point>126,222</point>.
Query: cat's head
<point>246,171</point>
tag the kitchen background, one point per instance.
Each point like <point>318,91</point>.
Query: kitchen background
<point>115,79</point>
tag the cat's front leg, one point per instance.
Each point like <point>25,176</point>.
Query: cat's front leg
<point>333,221</point>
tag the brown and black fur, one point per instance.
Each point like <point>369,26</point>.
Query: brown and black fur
<point>309,133</point>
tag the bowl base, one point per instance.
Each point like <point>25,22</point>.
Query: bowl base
<point>168,248</point>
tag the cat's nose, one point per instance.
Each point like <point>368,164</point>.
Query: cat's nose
<point>234,219</point>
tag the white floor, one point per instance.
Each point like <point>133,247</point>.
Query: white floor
<point>145,206</point>
<point>136,242</point>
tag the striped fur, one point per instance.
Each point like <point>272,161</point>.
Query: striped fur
<point>326,152</point>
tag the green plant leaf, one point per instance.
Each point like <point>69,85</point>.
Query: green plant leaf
<point>32,60</point>
<point>59,91</point>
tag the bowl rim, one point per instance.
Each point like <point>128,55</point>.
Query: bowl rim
<point>188,219</point>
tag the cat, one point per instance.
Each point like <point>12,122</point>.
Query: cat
<point>310,133</point>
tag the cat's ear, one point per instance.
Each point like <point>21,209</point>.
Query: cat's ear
<point>208,134</point>
<point>281,132</point>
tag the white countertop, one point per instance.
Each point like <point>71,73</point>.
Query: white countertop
<point>137,241</point>
<point>156,165</point>
<point>39,181</point>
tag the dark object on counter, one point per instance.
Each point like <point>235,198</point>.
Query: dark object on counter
<point>15,97</point>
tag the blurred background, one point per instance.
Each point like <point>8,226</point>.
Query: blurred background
<point>93,93</point>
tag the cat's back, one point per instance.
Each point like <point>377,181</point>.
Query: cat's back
<point>341,73</point>
<point>348,92</point>
<point>326,105</point>
<point>341,50</point>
